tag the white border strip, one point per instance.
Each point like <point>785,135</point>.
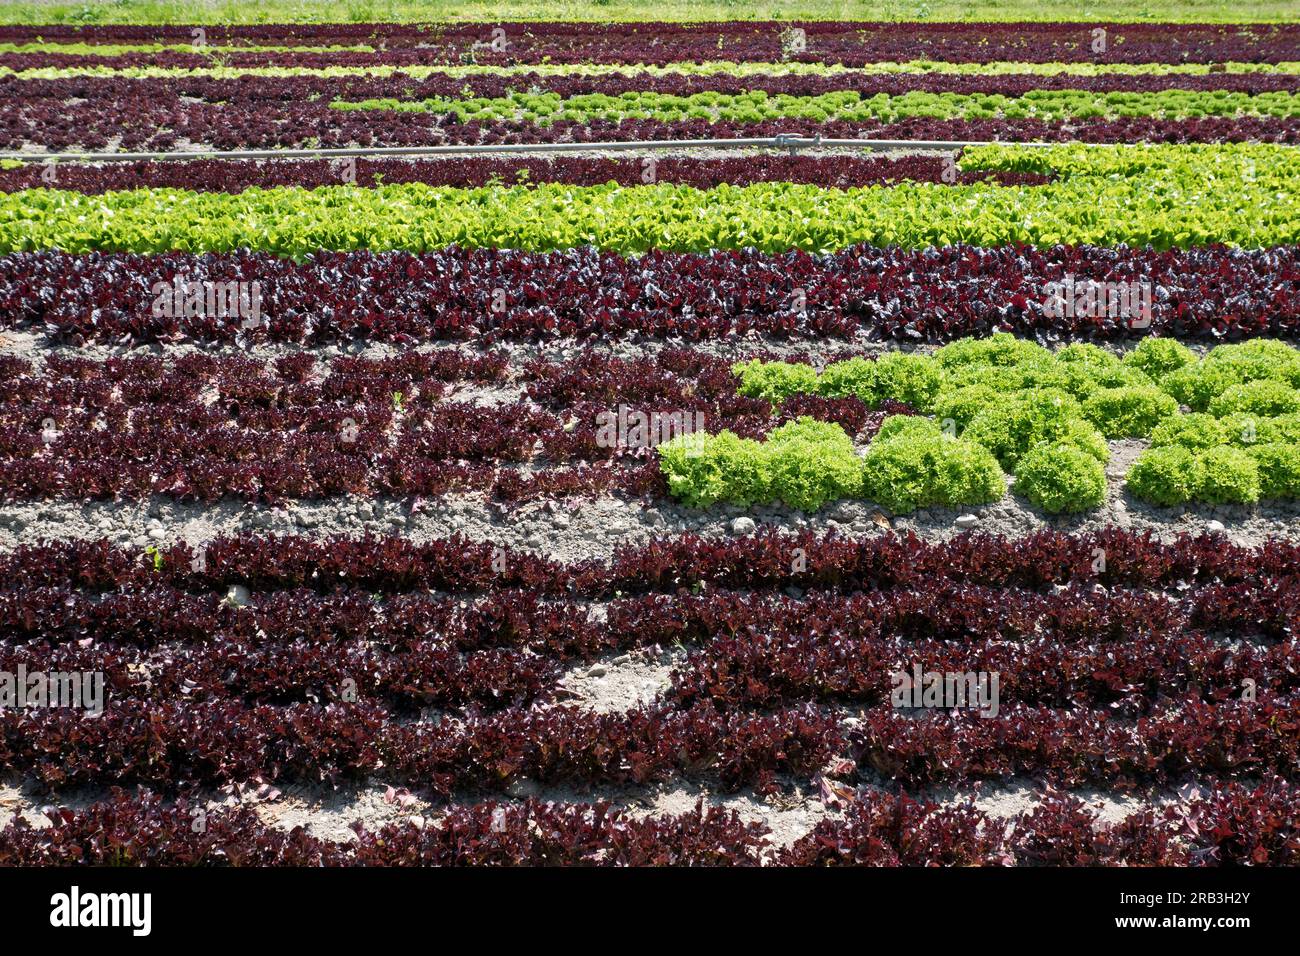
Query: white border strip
<point>792,142</point>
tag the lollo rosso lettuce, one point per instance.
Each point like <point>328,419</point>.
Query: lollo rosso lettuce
<point>963,290</point>
<point>730,43</point>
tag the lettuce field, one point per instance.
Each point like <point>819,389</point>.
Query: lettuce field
<point>440,445</point>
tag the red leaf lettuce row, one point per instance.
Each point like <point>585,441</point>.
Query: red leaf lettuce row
<point>1210,293</point>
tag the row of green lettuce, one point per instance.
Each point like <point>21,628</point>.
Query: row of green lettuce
<point>1223,429</point>
<point>1157,195</point>
<point>56,48</point>
<point>544,108</point>
<point>710,68</point>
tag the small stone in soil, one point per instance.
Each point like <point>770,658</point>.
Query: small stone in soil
<point>743,526</point>
<point>966,521</point>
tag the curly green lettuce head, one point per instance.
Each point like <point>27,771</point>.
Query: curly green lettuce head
<point>1061,478</point>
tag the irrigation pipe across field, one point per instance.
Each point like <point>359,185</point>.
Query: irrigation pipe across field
<point>783,141</point>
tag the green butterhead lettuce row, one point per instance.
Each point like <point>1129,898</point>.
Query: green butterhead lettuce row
<point>1046,416</point>
<point>807,463</point>
<point>417,72</point>
<point>906,378</point>
<point>680,68</point>
<point>1173,475</point>
<point>804,463</point>
<point>1238,458</point>
<point>1248,160</point>
<point>755,106</point>
<point>1242,430</point>
<point>1162,196</point>
<point>1227,366</point>
<point>438,12</point>
<point>1200,384</point>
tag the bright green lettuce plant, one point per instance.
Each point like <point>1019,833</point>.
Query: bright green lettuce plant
<point>1192,431</point>
<point>1156,358</point>
<point>775,381</point>
<point>914,379</point>
<point>855,377</point>
<point>1128,412</point>
<point>911,466</point>
<point>804,463</point>
<point>1009,429</point>
<point>961,405</point>
<point>1000,348</point>
<point>702,469</point>
<point>1264,397</point>
<point>1164,476</point>
<point>1061,478</point>
<point>1279,469</point>
<point>1227,475</point>
<point>1173,475</point>
<point>809,463</point>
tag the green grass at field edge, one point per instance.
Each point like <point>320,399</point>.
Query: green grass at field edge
<point>171,12</point>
